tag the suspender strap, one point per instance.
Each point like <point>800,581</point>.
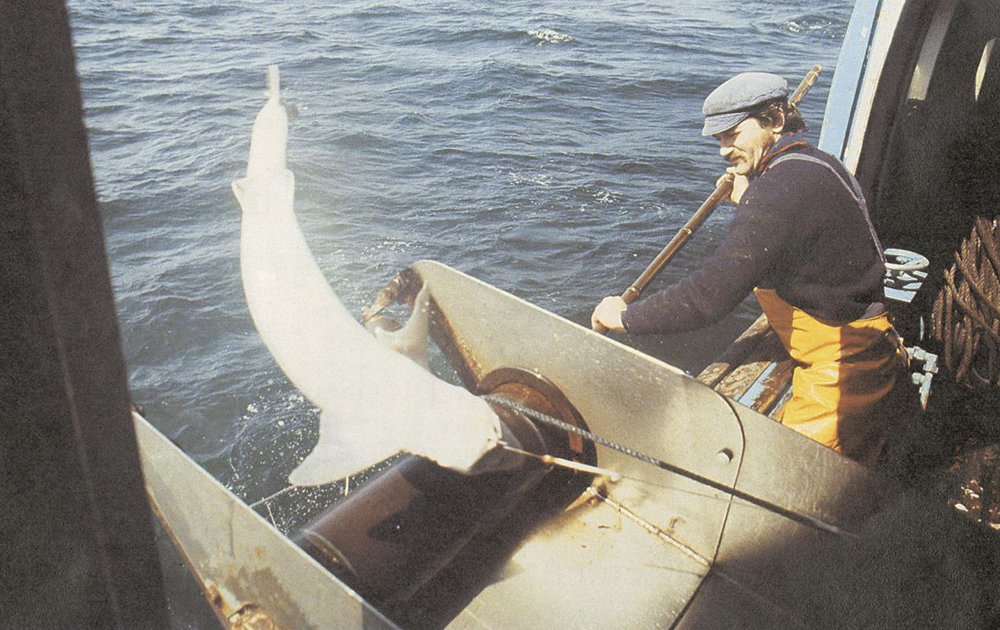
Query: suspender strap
<point>852,185</point>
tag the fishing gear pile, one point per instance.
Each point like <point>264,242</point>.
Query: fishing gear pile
<point>965,320</point>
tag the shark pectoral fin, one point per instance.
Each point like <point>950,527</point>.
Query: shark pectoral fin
<point>345,447</point>
<point>271,191</point>
<point>411,339</point>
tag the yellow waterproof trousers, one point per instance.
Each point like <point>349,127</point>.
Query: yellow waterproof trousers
<point>844,380</point>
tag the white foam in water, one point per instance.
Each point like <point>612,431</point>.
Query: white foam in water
<point>374,402</point>
<point>547,35</point>
<point>811,22</point>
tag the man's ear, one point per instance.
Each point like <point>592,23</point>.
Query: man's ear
<point>779,126</point>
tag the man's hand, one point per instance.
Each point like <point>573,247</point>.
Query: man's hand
<point>740,183</point>
<point>609,314</point>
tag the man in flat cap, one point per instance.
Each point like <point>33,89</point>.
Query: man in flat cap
<point>802,241</point>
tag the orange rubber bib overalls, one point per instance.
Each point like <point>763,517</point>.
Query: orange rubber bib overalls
<point>843,380</point>
<point>846,374</point>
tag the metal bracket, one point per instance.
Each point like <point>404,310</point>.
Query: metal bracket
<point>924,377</point>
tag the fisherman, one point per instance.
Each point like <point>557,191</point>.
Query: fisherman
<point>802,241</point>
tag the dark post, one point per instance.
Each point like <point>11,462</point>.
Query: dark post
<point>77,546</point>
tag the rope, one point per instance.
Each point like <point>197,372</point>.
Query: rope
<point>965,321</point>
<point>803,519</point>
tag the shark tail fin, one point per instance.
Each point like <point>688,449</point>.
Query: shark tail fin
<point>273,83</point>
<point>345,447</point>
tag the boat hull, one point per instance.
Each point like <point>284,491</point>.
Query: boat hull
<point>655,549</point>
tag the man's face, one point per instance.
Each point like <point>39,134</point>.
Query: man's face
<point>744,145</point>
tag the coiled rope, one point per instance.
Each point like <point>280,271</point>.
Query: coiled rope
<point>965,320</point>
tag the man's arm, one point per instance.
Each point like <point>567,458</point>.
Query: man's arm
<point>757,237</point>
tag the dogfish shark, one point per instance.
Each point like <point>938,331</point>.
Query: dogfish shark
<point>374,402</point>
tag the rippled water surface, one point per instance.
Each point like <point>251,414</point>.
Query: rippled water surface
<point>549,149</point>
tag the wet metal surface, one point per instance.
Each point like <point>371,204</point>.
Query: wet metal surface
<point>251,573</point>
<point>653,550</point>
<point>766,568</point>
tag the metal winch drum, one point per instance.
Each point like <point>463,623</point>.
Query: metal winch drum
<point>397,533</point>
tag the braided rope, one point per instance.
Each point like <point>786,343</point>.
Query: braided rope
<point>965,320</point>
<point>798,517</point>
<point>569,428</point>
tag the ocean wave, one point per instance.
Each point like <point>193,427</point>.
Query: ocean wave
<point>516,179</point>
<point>808,24</point>
<point>685,84</point>
<point>597,192</point>
<point>445,34</point>
<point>361,140</point>
<point>549,36</point>
<point>383,11</point>
<point>829,23</point>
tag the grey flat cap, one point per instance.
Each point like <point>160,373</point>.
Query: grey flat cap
<point>732,101</point>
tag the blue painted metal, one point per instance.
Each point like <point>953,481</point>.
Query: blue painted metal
<point>848,76</point>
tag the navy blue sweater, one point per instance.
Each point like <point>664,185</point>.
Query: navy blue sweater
<point>798,230</point>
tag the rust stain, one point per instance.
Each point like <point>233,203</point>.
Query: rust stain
<point>214,597</point>
<point>665,535</point>
<point>251,617</point>
<point>459,356</point>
